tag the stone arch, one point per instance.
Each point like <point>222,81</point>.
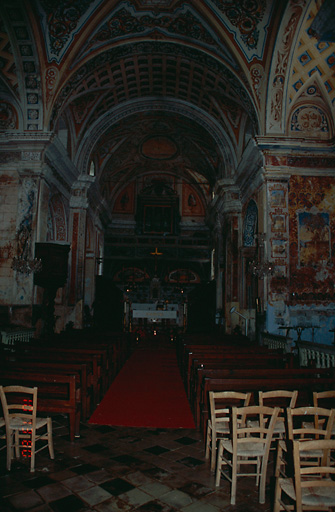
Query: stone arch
<point>280,68</point>
<point>219,135</point>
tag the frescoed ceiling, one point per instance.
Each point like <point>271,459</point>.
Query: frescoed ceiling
<point>313,57</point>
<point>105,72</point>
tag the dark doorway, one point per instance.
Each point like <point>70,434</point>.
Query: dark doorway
<point>108,305</point>
<point>201,308</point>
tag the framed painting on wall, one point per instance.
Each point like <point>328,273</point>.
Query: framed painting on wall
<point>314,238</point>
<point>278,223</point>
<point>278,248</point>
<point>278,198</point>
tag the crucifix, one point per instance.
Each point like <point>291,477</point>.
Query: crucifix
<point>156,253</point>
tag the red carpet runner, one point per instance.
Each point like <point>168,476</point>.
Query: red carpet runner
<point>148,392</point>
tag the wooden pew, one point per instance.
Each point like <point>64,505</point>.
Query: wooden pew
<point>62,355</point>
<point>304,385</point>
<point>57,393</point>
<point>259,357</point>
<point>238,360</point>
<point>80,370</point>
<point>242,373</point>
<point>202,348</point>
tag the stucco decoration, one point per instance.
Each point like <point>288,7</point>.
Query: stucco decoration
<point>61,21</point>
<point>248,22</point>
<point>280,66</point>
<point>8,116</point>
<point>125,21</point>
<point>310,120</point>
<point>57,220</point>
<point>51,77</point>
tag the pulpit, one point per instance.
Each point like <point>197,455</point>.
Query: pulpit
<point>53,275</point>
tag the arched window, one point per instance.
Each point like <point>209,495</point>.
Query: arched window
<point>250,225</point>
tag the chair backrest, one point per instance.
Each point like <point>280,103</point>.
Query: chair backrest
<point>19,403</point>
<point>253,424</point>
<point>278,398</point>
<point>221,403</point>
<point>324,399</point>
<point>309,423</point>
<point>317,477</point>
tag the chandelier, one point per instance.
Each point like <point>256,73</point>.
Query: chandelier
<point>26,266</point>
<point>23,263</point>
<point>261,267</point>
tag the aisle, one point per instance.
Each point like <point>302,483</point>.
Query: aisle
<point>148,392</point>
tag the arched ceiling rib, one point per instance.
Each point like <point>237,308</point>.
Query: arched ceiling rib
<point>202,147</point>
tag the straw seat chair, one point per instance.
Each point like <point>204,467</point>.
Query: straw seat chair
<point>19,404</point>
<point>249,445</point>
<point>312,485</point>
<point>303,424</point>
<point>219,422</point>
<point>310,422</point>
<point>279,398</point>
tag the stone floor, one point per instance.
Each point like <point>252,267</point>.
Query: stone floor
<point>123,469</point>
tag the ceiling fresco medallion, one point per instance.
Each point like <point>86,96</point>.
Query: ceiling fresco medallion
<point>159,148</point>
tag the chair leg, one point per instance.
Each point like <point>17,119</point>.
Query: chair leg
<point>33,451</point>
<point>277,495</point>
<point>50,440</point>
<point>233,480</point>
<point>10,450</point>
<point>208,440</point>
<point>262,483</point>
<point>17,444</point>
<point>213,455</point>
<point>219,464</point>
<point>258,468</point>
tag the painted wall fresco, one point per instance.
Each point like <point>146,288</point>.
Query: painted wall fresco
<point>125,200</point>
<point>312,244</point>
<point>191,203</point>
<point>305,297</point>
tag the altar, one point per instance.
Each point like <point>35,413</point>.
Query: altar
<point>154,315</point>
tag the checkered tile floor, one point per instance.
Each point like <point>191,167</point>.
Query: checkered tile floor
<point>123,469</point>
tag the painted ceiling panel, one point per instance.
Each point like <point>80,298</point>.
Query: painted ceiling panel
<point>125,22</point>
<point>313,56</point>
<point>248,22</point>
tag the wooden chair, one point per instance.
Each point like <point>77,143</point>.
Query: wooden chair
<point>219,423</point>
<point>312,485</point>
<point>325,399</point>
<point>19,404</point>
<point>2,436</point>
<point>307,424</point>
<point>249,444</point>
<point>279,398</point>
